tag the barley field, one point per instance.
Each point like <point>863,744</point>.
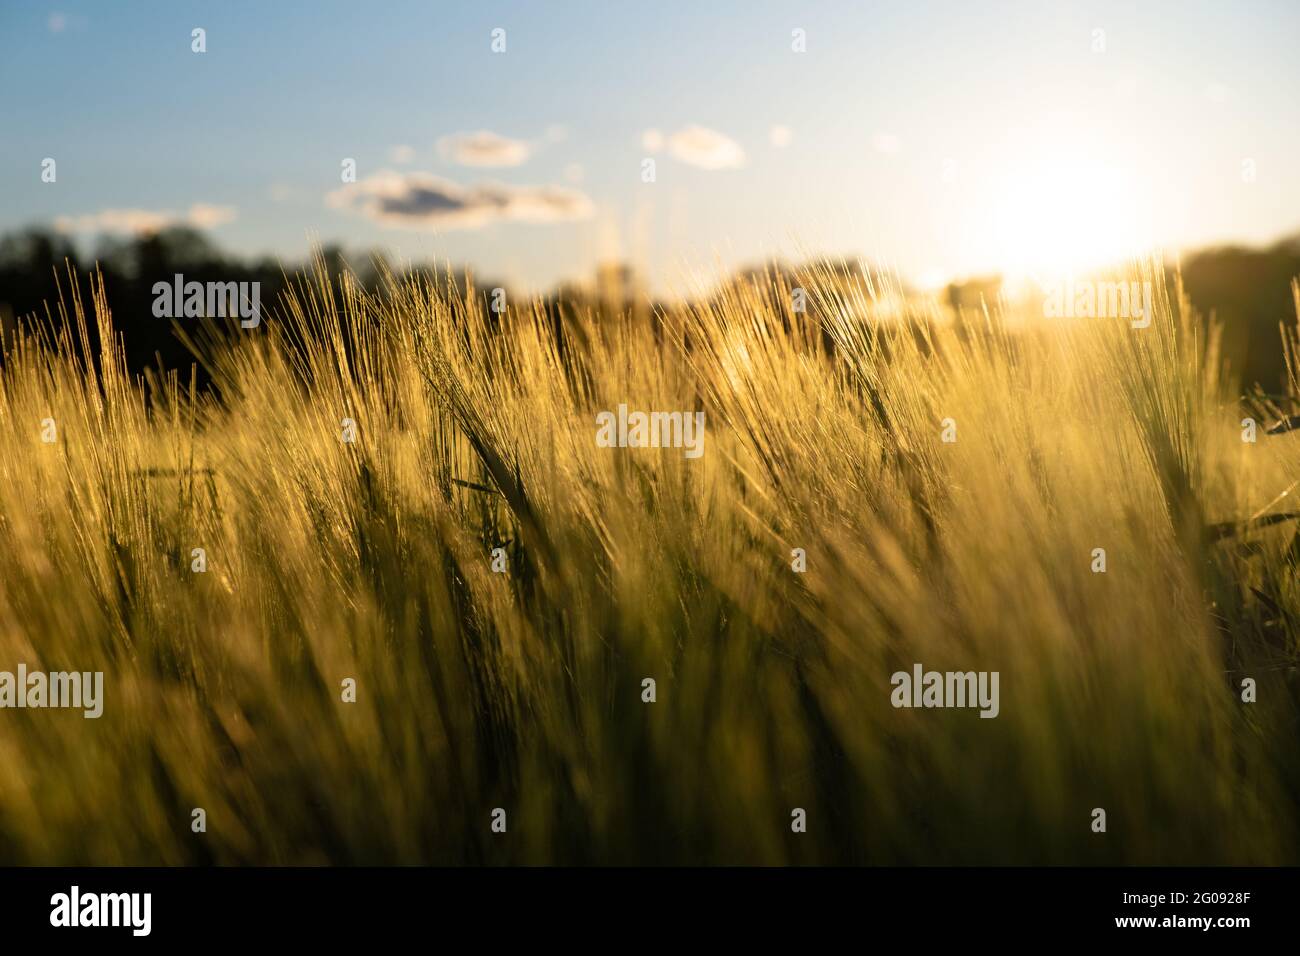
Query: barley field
<point>293,587</point>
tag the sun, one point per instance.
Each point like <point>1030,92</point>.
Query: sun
<point>1066,202</point>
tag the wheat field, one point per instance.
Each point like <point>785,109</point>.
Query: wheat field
<point>369,564</point>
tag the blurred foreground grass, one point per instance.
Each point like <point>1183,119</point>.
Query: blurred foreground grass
<point>475,690</point>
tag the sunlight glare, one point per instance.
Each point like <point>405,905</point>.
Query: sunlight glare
<point>1066,214</point>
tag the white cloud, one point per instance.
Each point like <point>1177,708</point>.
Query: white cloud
<point>206,216</point>
<point>60,22</point>
<point>484,148</point>
<point>145,221</point>
<point>652,141</point>
<point>421,201</point>
<point>134,221</point>
<point>575,172</point>
<point>780,136</point>
<point>403,154</point>
<point>705,148</point>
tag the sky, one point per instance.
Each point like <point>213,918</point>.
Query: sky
<point>939,139</point>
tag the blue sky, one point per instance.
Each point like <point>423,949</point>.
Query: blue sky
<point>939,138</point>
